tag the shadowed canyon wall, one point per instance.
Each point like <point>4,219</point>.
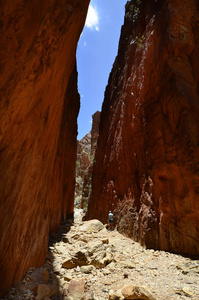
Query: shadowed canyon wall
<point>39,104</point>
<point>147,157</point>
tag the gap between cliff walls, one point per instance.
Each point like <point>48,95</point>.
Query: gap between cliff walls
<point>96,52</point>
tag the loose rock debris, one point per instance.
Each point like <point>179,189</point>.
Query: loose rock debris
<point>86,261</point>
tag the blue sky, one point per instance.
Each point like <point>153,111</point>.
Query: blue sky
<point>96,53</point>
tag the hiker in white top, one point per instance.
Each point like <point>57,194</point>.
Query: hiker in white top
<point>110,220</point>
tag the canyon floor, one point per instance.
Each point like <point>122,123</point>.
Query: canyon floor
<point>87,261</point>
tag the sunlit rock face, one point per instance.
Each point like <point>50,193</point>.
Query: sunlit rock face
<point>84,164</point>
<point>147,158</point>
<point>87,179</point>
<point>38,127</point>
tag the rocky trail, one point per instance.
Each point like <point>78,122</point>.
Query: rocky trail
<point>86,261</point>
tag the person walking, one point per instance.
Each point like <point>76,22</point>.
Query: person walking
<point>110,220</point>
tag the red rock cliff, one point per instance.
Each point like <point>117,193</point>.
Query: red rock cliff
<point>87,187</point>
<point>84,164</point>
<point>38,126</point>
<point>147,159</point>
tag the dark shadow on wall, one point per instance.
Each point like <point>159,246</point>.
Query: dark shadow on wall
<point>48,280</point>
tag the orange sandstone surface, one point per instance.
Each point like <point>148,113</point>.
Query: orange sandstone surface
<point>39,104</point>
<point>146,168</point>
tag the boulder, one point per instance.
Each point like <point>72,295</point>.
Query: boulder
<point>43,291</point>
<point>115,295</point>
<point>189,267</point>
<point>97,253</point>
<point>87,269</point>
<point>76,288</point>
<point>35,278</point>
<point>68,263</point>
<point>132,292</point>
<point>92,226</point>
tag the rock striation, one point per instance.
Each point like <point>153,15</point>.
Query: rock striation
<point>147,157</point>
<point>38,127</point>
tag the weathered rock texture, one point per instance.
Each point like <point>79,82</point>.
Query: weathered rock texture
<point>87,186</point>
<point>95,131</point>
<point>84,165</point>
<point>38,111</point>
<point>147,158</point>
<point>83,153</point>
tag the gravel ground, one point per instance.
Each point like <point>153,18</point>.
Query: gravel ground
<point>115,262</point>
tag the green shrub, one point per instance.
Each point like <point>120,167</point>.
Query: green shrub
<point>139,40</point>
<point>134,10</point>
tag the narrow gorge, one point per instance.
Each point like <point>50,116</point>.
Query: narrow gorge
<point>143,160</point>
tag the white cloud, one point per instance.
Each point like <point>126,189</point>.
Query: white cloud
<point>92,20</point>
<point>84,43</point>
